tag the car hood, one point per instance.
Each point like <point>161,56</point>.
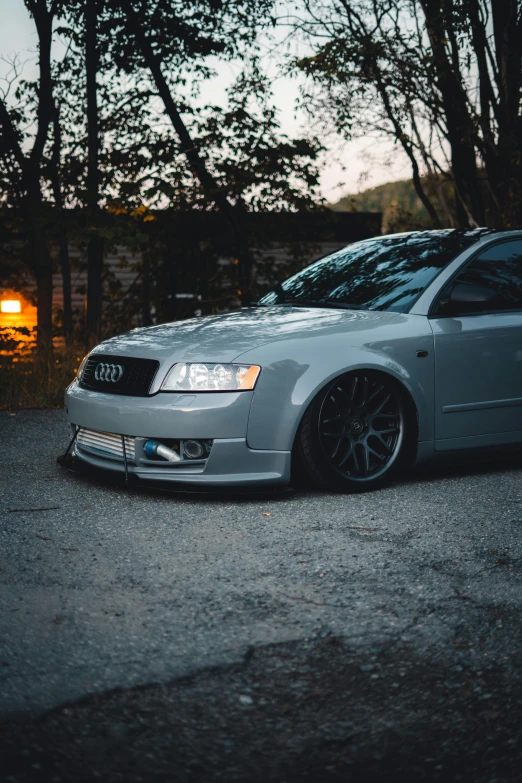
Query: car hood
<point>222,338</point>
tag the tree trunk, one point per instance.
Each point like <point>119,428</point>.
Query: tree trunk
<point>245,265</point>
<point>507,167</point>
<point>31,168</point>
<point>29,180</point>
<point>43,271</point>
<point>95,245</point>
<point>461,133</point>
<point>66,286</point>
<point>44,338</point>
<point>63,239</point>
<point>94,290</point>
<point>146,318</point>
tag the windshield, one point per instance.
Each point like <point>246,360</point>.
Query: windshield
<point>385,273</point>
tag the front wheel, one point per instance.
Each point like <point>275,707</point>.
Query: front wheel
<point>354,437</point>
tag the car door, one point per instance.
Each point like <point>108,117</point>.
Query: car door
<point>478,352</point>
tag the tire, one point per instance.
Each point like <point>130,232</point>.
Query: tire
<point>357,433</point>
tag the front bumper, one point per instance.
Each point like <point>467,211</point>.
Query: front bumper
<point>221,418</point>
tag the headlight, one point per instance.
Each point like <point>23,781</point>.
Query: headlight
<point>211,377</point>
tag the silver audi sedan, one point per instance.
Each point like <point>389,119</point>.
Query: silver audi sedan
<point>376,357</point>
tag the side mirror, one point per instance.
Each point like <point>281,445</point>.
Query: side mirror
<point>467,298</point>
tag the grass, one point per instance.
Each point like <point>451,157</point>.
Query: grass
<point>25,383</point>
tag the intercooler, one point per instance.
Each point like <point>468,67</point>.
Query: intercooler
<point>105,444</point>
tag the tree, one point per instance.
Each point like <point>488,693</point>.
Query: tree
<point>162,31</point>
<point>80,72</point>
<point>441,78</point>
<point>128,66</point>
<point>23,169</point>
<point>172,42</point>
<point>94,246</point>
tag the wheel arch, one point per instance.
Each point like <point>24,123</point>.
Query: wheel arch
<point>293,374</point>
<point>396,378</point>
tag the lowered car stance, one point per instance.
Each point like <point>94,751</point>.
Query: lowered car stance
<point>377,357</point>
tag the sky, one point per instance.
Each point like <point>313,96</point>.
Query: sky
<point>345,170</point>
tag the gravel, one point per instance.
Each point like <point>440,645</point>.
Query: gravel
<point>264,636</point>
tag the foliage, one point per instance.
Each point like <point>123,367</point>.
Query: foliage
<point>441,79</point>
<point>253,162</point>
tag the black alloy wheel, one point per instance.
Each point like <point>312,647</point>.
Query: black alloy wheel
<point>353,435</point>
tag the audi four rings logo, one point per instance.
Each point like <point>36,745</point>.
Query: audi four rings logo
<point>108,372</point>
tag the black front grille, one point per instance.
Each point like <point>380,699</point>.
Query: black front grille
<point>135,378</point>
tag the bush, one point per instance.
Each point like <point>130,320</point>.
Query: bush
<point>26,383</point>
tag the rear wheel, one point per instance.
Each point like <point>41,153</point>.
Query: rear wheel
<point>354,436</point>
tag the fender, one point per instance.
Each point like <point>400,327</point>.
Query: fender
<point>290,379</point>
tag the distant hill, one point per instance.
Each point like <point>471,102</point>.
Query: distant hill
<point>401,208</point>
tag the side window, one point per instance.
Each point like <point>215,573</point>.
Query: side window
<point>491,283</point>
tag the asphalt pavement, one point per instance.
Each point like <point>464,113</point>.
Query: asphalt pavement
<point>285,637</point>
<point>104,587</point>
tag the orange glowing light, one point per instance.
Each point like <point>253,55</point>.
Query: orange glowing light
<point>249,378</point>
<point>11,306</point>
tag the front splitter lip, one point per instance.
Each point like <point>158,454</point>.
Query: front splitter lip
<point>231,463</point>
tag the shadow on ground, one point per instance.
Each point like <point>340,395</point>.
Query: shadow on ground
<point>449,465</point>
<point>311,711</point>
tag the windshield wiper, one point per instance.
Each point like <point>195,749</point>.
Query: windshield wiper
<point>343,305</point>
<point>330,303</point>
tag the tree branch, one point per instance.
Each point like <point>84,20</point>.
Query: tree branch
<point>12,137</point>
